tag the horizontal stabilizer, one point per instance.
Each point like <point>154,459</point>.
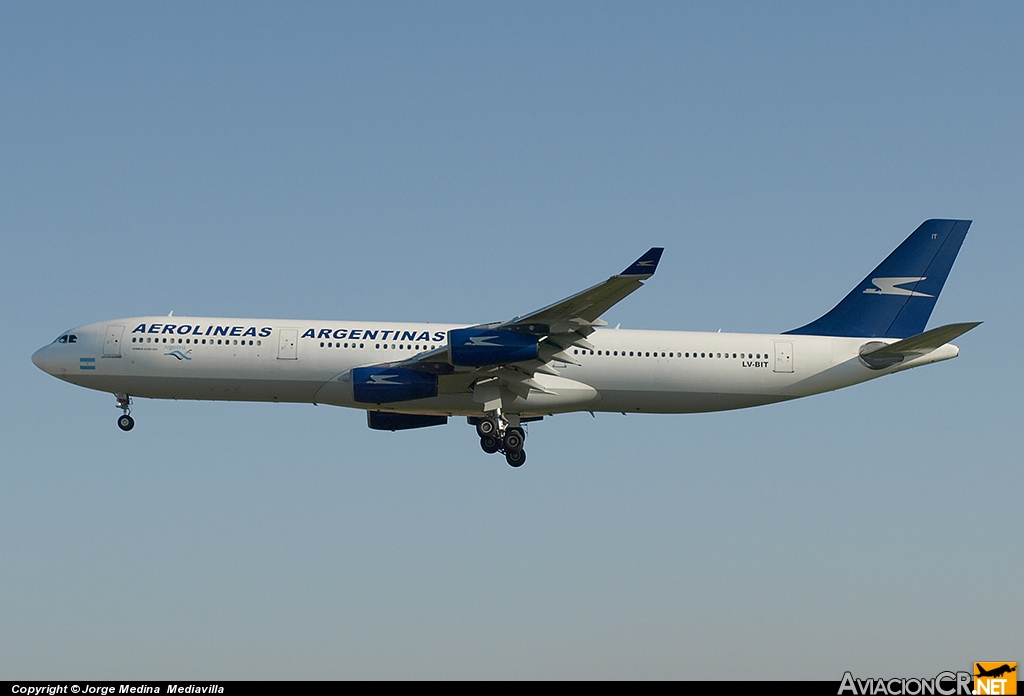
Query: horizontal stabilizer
<point>879,355</point>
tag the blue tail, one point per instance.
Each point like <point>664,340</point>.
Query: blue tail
<point>897,298</point>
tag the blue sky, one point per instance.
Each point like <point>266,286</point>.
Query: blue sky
<point>468,162</point>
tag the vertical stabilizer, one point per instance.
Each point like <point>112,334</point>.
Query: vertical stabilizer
<point>896,299</point>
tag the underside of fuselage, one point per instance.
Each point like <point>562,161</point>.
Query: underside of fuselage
<point>453,404</point>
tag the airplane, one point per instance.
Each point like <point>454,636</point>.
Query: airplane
<point>500,375</point>
<point>995,672</point>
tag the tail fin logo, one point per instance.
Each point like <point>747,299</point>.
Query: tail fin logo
<point>889,286</point>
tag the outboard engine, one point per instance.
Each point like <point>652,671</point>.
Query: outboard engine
<point>475,347</point>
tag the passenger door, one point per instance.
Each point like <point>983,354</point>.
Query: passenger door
<point>783,356</point>
<point>112,343</point>
<point>287,347</point>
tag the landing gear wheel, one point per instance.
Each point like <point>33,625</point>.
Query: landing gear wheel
<point>126,423</point>
<point>515,458</point>
<point>514,439</point>
<point>490,444</point>
<point>486,427</point>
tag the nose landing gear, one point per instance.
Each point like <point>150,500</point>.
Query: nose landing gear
<point>124,402</point>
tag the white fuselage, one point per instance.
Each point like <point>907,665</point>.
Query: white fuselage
<point>309,362</point>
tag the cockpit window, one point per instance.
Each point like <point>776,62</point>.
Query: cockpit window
<point>72,338</point>
<point>62,339</point>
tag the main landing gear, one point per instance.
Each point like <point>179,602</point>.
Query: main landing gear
<point>498,434</point>
<point>124,402</point>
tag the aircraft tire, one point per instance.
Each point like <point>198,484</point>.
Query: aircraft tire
<point>126,423</point>
<point>486,427</point>
<point>515,458</point>
<point>515,438</point>
<point>490,444</point>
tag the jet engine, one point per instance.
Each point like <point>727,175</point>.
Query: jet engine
<point>475,347</point>
<point>380,385</point>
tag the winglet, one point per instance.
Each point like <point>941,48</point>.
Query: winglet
<point>646,264</point>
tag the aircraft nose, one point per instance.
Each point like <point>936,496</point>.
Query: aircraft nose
<point>42,360</point>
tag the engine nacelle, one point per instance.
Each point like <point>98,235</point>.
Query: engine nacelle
<point>384,420</point>
<point>381,385</point>
<point>482,347</point>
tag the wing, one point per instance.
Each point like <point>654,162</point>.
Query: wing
<point>513,351</point>
<point>584,308</point>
